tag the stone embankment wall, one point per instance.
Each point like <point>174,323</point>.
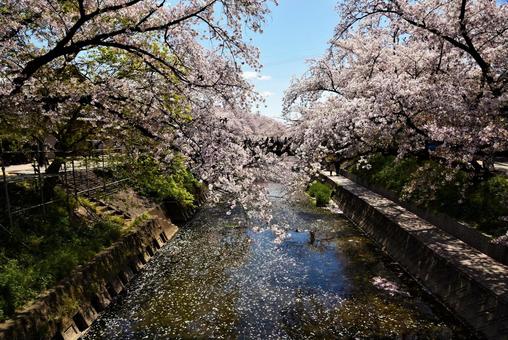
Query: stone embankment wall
<point>473,285</point>
<point>68,309</point>
<point>471,236</point>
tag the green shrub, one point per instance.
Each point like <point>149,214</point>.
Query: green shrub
<point>107,232</point>
<point>174,182</point>
<point>375,163</point>
<point>491,197</point>
<point>487,203</point>
<point>321,192</point>
<point>395,174</point>
<point>61,262</point>
<point>387,171</point>
<point>441,188</point>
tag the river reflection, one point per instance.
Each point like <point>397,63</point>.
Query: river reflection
<point>222,277</point>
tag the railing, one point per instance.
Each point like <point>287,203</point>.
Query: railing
<point>474,238</point>
<point>77,176</point>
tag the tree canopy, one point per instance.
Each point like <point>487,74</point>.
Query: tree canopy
<point>407,77</point>
<point>158,75</point>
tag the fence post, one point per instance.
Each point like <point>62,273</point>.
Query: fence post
<point>103,172</point>
<point>40,158</point>
<point>74,180</point>
<point>66,186</point>
<point>6,189</point>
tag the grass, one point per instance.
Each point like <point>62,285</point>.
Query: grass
<point>139,220</point>
<point>86,203</point>
<point>45,248</point>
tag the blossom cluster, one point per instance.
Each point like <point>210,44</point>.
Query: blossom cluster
<point>153,75</point>
<point>407,77</point>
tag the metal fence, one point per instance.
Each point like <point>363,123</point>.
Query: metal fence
<point>26,174</point>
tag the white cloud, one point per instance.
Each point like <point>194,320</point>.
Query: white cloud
<point>266,94</point>
<point>249,75</point>
<point>264,77</point>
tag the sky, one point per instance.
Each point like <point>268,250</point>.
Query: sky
<point>296,30</point>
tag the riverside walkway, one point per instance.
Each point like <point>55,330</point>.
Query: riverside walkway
<point>472,284</point>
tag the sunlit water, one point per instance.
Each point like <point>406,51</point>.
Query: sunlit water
<point>222,277</point>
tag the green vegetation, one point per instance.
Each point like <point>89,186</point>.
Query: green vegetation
<point>321,192</point>
<point>45,248</point>
<point>139,220</point>
<point>163,183</point>
<point>481,203</point>
<point>86,203</point>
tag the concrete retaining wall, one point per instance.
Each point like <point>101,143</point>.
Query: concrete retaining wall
<point>68,309</point>
<point>467,234</point>
<point>471,284</point>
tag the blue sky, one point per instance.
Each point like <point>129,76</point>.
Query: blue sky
<point>296,30</point>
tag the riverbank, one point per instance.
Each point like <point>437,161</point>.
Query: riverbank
<point>475,204</point>
<point>49,224</point>
<point>471,284</point>
<point>68,309</point>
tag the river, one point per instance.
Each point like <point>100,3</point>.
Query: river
<point>224,277</point>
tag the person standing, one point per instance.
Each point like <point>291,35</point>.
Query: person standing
<point>329,163</point>
<point>336,163</point>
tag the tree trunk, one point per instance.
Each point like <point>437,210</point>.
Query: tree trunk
<point>51,178</point>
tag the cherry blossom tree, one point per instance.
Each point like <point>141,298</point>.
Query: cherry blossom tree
<point>220,159</point>
<point>418,77</point>
<point>164,71</point>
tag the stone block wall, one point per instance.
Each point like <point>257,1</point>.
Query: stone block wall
<point>68,309</point>
<point>471,284</point>
<point>471,236</point>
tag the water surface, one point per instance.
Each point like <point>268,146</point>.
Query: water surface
<point>223,277</point>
